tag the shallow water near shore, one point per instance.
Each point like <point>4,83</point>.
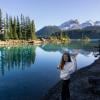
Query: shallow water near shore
<point>27,72</point>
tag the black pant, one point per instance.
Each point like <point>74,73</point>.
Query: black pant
<point>65,93</point>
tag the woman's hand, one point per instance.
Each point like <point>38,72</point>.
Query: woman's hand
<point>58,67</point>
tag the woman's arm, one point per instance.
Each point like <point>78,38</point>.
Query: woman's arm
<point>73,66</point>
<point>58,66</point>
<point>74,53</point>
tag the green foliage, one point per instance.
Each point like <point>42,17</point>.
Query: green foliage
<point>33,36</point>
<point>6,37</point>
<point>47,31</point>
<point>0,20</point>
<point>14,25</point>
<point>18,29</point>
<point>15,28</point>
<point>80,34</point>
<point>86,39</point>
<point>10,28</point>
<point>61,35</point>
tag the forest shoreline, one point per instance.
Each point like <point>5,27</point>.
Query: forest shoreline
<point>12,42</point>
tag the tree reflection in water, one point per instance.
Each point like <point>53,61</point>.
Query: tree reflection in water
<point>19,57</point>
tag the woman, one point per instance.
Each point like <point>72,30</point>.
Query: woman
<point>67,66</point>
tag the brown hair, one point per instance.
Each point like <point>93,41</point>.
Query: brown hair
<point>62,63</point>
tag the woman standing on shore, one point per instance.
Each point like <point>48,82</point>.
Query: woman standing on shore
<point>67,66</point>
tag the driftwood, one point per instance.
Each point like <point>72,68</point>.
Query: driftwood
<point>31,42</point>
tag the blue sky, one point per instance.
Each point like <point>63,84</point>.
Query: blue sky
<point>53,12</point>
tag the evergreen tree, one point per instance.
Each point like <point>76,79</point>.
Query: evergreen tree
<point>0,21</point>
<point>10,28</point>
<point>32,30</point>
<point>61,35</point>
<point>28,28</point>
<point>18,29</point>
<point>7,22</point>
<point>14,29</point>
<point>23,26</point>
<point>6,31</point>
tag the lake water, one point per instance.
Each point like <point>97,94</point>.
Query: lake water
<point>27,72</point>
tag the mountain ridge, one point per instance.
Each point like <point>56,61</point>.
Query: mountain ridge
<point>73,28</point>
<point>75,24</point>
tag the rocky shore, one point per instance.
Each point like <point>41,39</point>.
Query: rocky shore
<point>19,42</point>
<point>79,86</point>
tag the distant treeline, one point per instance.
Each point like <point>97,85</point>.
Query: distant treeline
<point>90,32</point>
<point>78,34</point>
<point>16,27</point>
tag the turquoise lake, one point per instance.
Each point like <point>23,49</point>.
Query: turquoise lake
<point>27,72</point>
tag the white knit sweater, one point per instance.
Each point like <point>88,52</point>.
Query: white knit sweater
<point>68,69</point>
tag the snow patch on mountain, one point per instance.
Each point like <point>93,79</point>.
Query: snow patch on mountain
<point>75,24</point>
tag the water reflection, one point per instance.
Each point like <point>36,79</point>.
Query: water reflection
<point>85,55</point>
<point>16,58</point>
<point>84,48</point>
<point>89,46</point>
<point>21,57</point>
<point>29,71</point>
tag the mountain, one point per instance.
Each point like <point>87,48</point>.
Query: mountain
<point>47,31</point>
<point>92,28</point>
<point>71,24</point>
<point>73,28</point>
<point>75,24</point>
<point>97,23</point>
<point>86,24</point>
